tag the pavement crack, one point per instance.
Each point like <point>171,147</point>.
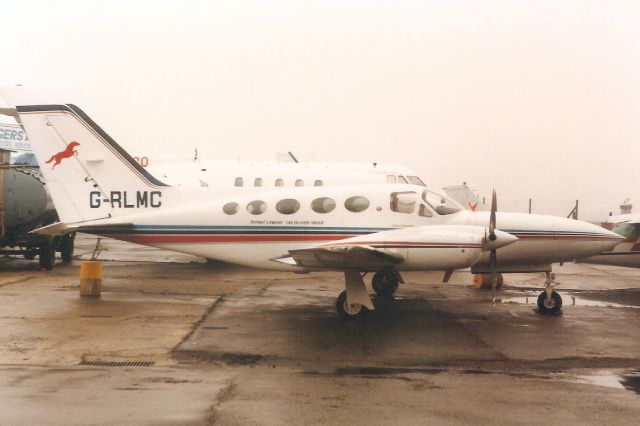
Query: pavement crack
<point>224,395</point>
<point>197,324</point>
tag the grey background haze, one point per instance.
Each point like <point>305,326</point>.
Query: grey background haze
<point>537,99</point>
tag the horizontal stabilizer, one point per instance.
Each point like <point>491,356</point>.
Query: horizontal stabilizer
<point>344,257</point>
<point>94,227</point>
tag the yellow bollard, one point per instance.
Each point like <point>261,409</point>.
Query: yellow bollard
<point>484,280</point>
<point>90,278</point>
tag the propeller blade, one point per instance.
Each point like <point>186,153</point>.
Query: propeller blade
<point>492,217</point>
<point>494,274</point>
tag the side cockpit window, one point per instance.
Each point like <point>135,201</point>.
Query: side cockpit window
<point>441,204</point>
<point>403,202</point>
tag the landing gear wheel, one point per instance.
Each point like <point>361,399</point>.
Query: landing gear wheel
<point>347,311</point>
<point>66,247</point>
<point>47,254</point>
<point>551,306</point>
<point>385,283</point>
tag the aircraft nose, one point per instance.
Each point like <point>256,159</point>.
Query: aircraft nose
<point>598,238</point>
<point>502,239</point>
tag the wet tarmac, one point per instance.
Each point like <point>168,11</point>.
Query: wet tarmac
<point>177,340</point>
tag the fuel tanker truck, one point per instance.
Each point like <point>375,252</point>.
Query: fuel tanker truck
<point>25,205</point>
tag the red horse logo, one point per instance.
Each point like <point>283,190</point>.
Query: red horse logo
<point>68,152</point>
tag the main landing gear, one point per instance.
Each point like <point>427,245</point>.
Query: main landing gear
<point>385,283</point>
<point>549,301</point>
<point>355,302</point>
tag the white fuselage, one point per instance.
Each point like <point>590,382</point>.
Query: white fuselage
<point>627,253</point>
<point>254,229</point>
<point>250,176</point>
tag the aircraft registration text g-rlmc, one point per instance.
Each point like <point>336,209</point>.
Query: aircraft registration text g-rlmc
<point>126,199</point>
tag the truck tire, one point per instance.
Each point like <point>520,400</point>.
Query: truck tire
<point>66,247</point>
<point>47,254</point>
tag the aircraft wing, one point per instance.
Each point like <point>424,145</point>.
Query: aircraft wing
<point>342,257</point>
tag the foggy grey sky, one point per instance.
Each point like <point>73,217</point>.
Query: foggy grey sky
<point>537,99</point>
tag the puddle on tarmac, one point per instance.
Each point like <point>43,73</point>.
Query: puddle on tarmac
<point>568,300</point>
<point>629,380</point>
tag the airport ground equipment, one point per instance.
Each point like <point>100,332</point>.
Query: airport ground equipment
<point>24,206</point>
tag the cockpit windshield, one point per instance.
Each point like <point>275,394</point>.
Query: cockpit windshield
<point>415,180</point>
<point>441,204</point>
<point>627,230</point>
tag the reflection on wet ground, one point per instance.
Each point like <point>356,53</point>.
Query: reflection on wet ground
<point>530,298</point>
<point>625,379</point>
<point>237,346</point>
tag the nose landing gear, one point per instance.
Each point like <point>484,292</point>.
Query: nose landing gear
<point>549,301</point>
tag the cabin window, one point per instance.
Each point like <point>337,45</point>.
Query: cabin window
<point>299,182</point>
<point>403,202</point>
<point>401,179</point>
<point>356,204</point>
<point>279,182</point>
<point>391,179</point>
<point>440,203</point>
<point>288,206</point>
<point>415,180</point>
<point>257,207</point>
<point>323,205</point>
<point>230,208</point>
<point>425,211</point>
<point>257,182</point>
<point>239,181</point>
<point>318,182</point>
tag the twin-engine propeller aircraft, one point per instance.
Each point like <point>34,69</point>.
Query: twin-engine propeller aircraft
<point>626,253</point>
<point>385,229</point>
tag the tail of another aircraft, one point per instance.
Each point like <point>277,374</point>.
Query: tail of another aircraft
<point>88,175</point>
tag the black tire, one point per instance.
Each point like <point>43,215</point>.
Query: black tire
<point>551,307</point>
<point>385,283</point>
<point>47,254</point>
<point>66,247</point>
<point>344,312</point>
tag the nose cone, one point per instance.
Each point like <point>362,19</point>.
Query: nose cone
<point>502,239</point>
<point>587,237</point>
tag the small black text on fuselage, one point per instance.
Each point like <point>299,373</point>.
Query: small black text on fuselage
<point>126,199</point>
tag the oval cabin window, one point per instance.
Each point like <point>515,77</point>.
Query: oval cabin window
<point>257,182</point>
<point>288,206</point>
<point>230,208</point>
<point>239,181</point>
<point>356,204</point>
<point>257,207</point>
<point>323,205</point>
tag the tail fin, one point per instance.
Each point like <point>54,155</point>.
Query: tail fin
<point>89,176</point>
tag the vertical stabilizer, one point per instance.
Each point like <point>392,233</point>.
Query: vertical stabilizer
<point>89,176</point>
